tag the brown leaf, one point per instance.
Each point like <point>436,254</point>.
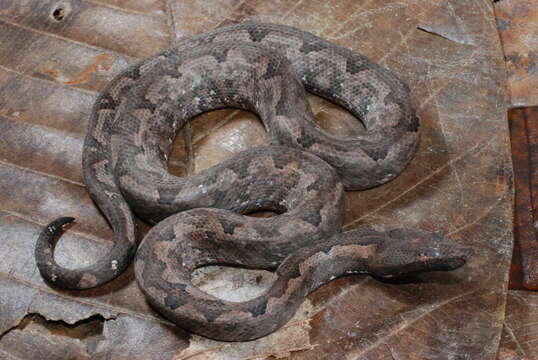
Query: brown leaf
<point>524,136</point>
<point>518,25</point>
<point>57,55</point>
<point>520,327</point>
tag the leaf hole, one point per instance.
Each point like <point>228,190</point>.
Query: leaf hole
<point>83,329</point>
<point>60,12</point>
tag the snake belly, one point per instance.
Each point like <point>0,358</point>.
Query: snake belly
<point>261,68</point>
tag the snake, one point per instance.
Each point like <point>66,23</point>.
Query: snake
<point>301,176</point>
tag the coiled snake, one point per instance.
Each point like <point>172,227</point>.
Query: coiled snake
<point>301,176</point>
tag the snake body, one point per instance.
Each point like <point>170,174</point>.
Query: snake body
<point>301,175</point>
<point>180,244</point>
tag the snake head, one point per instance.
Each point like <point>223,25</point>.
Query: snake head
<point>406,251</point>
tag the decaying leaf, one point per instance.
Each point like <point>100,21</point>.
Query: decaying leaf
<point>57,55</point>
<point>518,25</point>
<point>524,139</point>
<point>520,331</point>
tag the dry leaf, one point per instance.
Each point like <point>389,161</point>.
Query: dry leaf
<point>520,331</point>
<point>524,135</point>
<point>518,25</point>
<point>57,55</point>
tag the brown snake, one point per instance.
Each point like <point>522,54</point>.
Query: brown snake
<point>263,68</point>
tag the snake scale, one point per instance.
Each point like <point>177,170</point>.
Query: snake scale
<point>301,175</point>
